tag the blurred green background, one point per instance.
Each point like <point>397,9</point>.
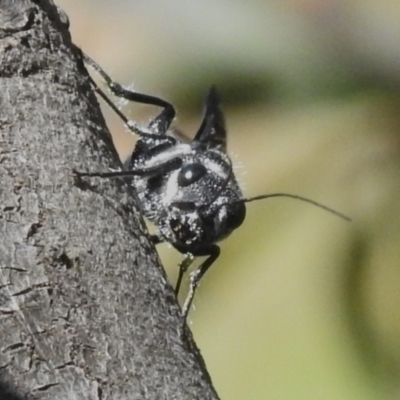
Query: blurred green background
<point>301,305</point>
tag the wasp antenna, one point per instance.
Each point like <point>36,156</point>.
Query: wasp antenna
<point>296,197</point>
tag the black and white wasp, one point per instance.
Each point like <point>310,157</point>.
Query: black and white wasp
<point>187,189</point>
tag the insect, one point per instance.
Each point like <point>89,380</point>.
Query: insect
<point>186,188</point>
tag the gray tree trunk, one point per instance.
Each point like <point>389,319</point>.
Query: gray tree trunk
<point>85,308</point>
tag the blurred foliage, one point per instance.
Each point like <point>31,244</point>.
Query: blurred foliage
<point>301,305</point>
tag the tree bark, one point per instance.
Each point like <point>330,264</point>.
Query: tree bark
<point>85,308</point>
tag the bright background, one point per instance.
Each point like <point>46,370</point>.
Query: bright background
<point>301,305</point>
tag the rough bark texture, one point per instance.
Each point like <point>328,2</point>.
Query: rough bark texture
<point>85,308</point>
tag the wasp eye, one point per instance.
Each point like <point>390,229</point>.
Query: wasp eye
<point>236,215</point>
<point>191,173</point>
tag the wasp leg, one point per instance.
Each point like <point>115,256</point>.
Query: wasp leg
<point>161,123</point>
<point>127,94</point>
<point>183,266</point>
<point>213,252</point>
